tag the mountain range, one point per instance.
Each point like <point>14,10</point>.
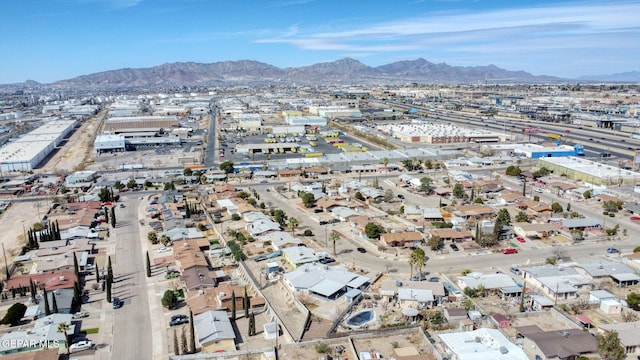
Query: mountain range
<point>346,71</point>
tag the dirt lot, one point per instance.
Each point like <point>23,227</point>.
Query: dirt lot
<point>14,222</point>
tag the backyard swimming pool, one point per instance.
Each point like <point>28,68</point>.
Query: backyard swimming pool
<point>361,318</point>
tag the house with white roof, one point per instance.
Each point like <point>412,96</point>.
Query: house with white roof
<point>262,226</point>
<point>415,298</point>
<point>481,344</point>
<point>299,255</point>
<point>329,282</point>
<point>278,240</point>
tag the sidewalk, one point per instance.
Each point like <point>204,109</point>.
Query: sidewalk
<point>158,327</point>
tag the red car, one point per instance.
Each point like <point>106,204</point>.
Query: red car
<point>520,239</point>
<point>510,251</point>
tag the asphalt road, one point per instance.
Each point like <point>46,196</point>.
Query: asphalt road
<point>132,322</point>
<point>210,150</point>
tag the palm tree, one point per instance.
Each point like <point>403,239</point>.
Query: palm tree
<point>293,224</point>
<point>417,259</point>
<point>63,328</point>
<point>334,236</point>
<point>385,162</point>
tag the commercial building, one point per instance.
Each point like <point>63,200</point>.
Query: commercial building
<point>590,172</point>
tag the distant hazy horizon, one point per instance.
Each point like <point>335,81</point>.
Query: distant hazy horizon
<point>51,40</point>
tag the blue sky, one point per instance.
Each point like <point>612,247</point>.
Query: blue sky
<point>49,40</point>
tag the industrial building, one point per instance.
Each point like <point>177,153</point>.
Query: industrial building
<point>590,172</point>
<point>535,151</point>
<point>438,133</point>
<point>306,120</point>
<point>28,151</point>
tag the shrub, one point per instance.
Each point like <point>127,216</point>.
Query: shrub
<point>322,348</point>
<point>308,232</point>
<point>14,314</point>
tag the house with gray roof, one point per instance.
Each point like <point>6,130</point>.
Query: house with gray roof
<point>64,301</point>
<point>214,331</point>
<point>557,282</point>
<point>261,226</point>
<point>415,298</point>
<point>43,334</point>
<point>182,233</point>
<point>620,274</point>
<point>343,213</point>
<point>329,282</point>
<point>498,284</point>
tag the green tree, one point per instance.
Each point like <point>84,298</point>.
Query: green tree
<point>359,196</point>
<point>165,240</point>
<point>235,217</point>
<point>63,328</point>
<point>587,194</point>
<point>187,172</point>
<point>76,269</point>
<point>633,299</point>
<point>425,184</point>
<point>373,231</point>
<point>610,206</point>
<point>113,217</point>
<point>54,303</point>
<point>246,304</point>
<point>435,243</point>
<point>132,184</point>
<point>292,224</point>
<point>333,237</point>
<point>513,171</point>
<point>458,191</point>
<point>233,305</point>
<point>227,167</point>
<point>47,309</point>
<point>609,346</point>
<point>153,237</point>
<point>108,286</point>
<point>309,200</point>
<point>14,314</point>
<point>148,265</point>
<point>522,217</point>
<point>279,216</point>
<point>417,259</point>
<point>169,299</point>
<point>556,207</point>
<point>169,186</point>
<point>243,195</point>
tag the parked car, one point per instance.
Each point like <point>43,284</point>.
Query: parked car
<point>509,251</point>
<point>164,249</point>
<point>454,247</point>
<point>89,267</point>
<point>515,270</point>
<point>400,196</point>
<point>362,250</point>
<point>81,345</point>
<point>260,258</point>
<point>178,320</point>
<point>434,279</point>
<point>117,303</point>
<point>80,315</point>
<point>327,260</point>
<point>419,277</point>
<point>520,239</point>
<point>612,250</point>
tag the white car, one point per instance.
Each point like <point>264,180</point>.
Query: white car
<point>164,249</point>
<point>81,345</point>
<point>89,267</point>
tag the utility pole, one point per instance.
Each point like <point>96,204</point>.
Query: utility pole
<point>6,264</point>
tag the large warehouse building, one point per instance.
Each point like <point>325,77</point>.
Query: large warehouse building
<point>28,151</point>
<point>590,172</point>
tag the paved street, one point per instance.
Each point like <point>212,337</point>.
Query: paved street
<point>132,322</point>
